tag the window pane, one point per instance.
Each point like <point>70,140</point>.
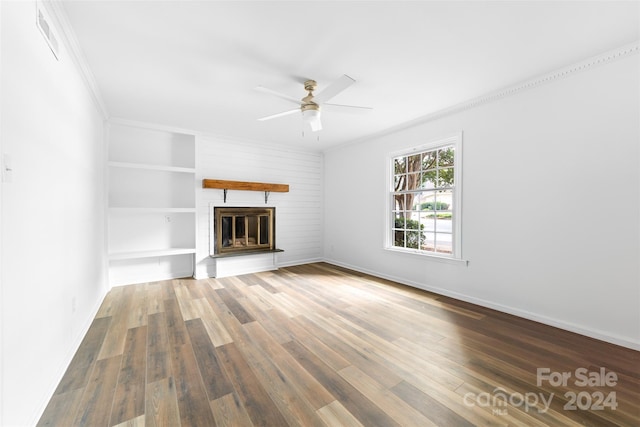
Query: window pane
<point>445,177</point>
<point>443,225</point>
<point>412,201</point>
<point>427,201</point>
<point>398,238</point>
<point>399,165</point>
<point>239,231</point>
<point>414,163</point>
<point>413,181</point>
<point>445,157</point>
<point>399,182</point>
<point>444,200</point>
<point>413,221</point>
<point>421,199</point>
<point>399,202</point>
<point>413,239</point>
<point>399,220</point>
<point>444,243</point>
<point>428,221</point>
<point>428,243</point>
<point>428,160</point>
<point>252,230</point>
<point>226,231</point>
<point>429,179</point>
<point>264,230</point>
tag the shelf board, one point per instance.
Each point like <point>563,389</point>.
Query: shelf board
<point>222,184</point>
<point>151,210</point>
<point>151,253</point>
<point>145,166</point>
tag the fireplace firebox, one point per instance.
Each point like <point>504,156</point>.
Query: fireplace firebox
<point>239,230</point>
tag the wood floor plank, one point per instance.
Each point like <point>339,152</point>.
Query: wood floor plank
<point>397,408</point>
<point>212,323</point>
<point>234,306</point>
<point>162,404</point>
<point>158,357</point>
<point>79,370</point>
<point>261,409</point>
<point>61,409</point>
<point>193,402</point>
<point>431,408</point>
<point>129,399</point>
<point>365,411</point>
<point>134,422</point>
<point>297,377</point>
<point>228,411</point>
<point>354,352</point>
<point>137,315</point>
<point>97,399</point>
<point>396,358</point>
<point>185,302</point>
<point>282,389</point>
<point>334,414</point>
<point>274,321</point>
<point>154,298</point>
<point>110,302</point>
<point>113,344</point>
<point>317,344</point>
<point>214,377</point>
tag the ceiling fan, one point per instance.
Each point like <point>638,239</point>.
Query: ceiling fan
<point>311,104</point>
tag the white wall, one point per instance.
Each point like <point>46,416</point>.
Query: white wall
<point>562,160</point>
<point>298,212</point>
<point>53,239</point>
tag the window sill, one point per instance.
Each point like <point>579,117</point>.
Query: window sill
<point>431,256</point>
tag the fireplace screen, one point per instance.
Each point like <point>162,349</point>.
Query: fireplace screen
<point>244,229</point>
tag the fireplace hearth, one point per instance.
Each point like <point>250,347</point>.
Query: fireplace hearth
<point>243,230</point>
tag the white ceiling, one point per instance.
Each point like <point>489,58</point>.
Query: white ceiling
<point>195,64</point>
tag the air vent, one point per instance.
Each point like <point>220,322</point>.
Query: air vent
<point>44,25</point>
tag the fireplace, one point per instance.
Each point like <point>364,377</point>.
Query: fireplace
<point>239,230</point>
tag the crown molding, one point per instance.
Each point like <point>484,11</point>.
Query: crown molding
<point>152,126</point>
<point>68,36</point>
<point>561,73</point>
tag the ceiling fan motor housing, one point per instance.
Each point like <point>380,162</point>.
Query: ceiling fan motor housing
<point>307,101</point>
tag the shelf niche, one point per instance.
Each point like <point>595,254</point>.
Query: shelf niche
<point>152,204</point>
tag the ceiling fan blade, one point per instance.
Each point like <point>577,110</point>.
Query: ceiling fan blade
<point>334,88</point>
<point>339,108</point>
<point>278,94</point>
<point>284,113</point>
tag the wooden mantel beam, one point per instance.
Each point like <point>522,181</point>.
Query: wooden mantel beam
<point>243,185</point>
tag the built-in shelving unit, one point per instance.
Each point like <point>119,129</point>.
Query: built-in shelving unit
<point>152,211</point>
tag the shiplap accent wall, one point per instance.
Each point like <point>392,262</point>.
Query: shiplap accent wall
<point>299,213</point>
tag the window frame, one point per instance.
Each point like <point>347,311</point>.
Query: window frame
<point>454,140</point>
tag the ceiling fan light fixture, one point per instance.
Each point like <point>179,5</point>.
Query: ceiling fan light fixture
<point>310,105</point>
<point>311,115</point>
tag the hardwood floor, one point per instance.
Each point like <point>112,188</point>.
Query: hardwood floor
<point>317,345</point>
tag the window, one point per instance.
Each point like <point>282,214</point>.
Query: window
<point>425,199</point>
